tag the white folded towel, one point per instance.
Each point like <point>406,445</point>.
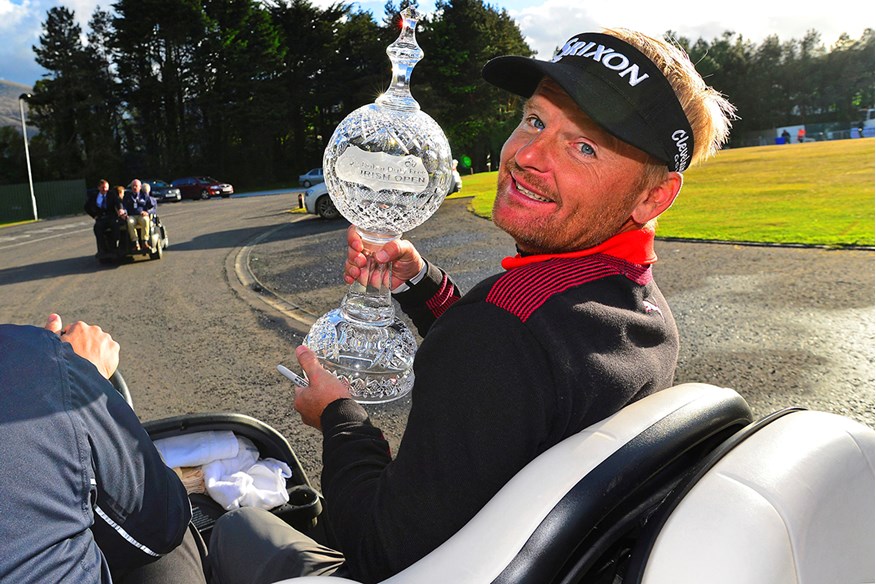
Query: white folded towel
<point>198,448</point>
<point>245,481</point>
<point>268,488</point>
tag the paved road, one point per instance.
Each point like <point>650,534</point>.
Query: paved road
<point>781,325</point>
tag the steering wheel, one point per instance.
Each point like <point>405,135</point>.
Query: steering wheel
<point>121,386</point>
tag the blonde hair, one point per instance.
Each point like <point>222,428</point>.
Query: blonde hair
<point>709,113</point>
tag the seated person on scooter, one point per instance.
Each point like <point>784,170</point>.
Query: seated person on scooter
<point>86,497</point>
<point>104,208</point>
<point>139,206</point>
<point>571,331</point>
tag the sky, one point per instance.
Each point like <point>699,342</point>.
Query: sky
<point>546,24</point>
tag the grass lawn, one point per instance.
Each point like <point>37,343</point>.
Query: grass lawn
<point>814,193</point>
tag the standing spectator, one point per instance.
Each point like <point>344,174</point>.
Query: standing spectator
<point>786,136</point>
<point>801,135</point>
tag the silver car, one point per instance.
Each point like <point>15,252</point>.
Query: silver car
<point>162,191</point>
<point>317,201</point>
<point>311,177</point>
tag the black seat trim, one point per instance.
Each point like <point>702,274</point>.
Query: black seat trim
<point>616,496</point>
<point>635,570</point>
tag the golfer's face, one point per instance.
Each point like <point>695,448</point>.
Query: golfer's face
<point>564,183</point>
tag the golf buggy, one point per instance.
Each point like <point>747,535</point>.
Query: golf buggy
<point>681,487</point>
<point>111,250</point>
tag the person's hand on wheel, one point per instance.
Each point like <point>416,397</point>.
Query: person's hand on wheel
<point>89,342</point>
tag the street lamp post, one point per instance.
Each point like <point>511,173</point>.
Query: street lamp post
<point>21,99</point>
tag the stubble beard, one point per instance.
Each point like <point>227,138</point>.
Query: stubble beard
<point>581,230</point>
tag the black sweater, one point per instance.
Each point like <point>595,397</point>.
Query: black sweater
<point>524,360</point>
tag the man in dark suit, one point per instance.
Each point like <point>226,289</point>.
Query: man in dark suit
<point>99,206</point>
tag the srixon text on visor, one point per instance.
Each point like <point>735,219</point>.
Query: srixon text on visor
<point>607,56</point>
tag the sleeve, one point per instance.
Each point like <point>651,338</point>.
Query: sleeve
<point>428,299</point>
<point>141,509</point>
<point>90,206</point>
<point>480,413</point>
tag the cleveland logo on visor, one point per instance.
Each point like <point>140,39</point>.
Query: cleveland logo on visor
<point>606,56</point>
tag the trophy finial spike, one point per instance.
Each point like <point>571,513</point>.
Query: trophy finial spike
<point>404,54</point>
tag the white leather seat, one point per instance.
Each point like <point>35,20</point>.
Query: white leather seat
<point>483,550</point>
<point>791,504</point>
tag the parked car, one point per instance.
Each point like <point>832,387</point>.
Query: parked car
<point>311,177</point>
<point>202,187</point>
<point>317,201</point>
<point>162,191</point>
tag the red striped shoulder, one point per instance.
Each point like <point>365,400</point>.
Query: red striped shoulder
<point>521,291</point>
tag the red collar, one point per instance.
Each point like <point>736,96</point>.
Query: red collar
<point>636,247</point>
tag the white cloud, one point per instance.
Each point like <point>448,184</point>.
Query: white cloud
<point>20,29</point>
<point>550,23</point>
<point>13,15</point>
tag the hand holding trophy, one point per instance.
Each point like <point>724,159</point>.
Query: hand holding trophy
<point>387,168</point>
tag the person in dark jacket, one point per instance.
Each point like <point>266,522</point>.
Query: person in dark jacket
<point>571,331</point>
<point>86,496</point>
<point>104,207</point>
<point>139,206</point>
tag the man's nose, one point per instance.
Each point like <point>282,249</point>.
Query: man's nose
<point>535,153</point>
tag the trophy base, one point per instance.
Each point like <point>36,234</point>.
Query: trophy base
<point>376,361</point>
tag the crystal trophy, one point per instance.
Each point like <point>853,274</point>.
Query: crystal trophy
<point>387,168</point>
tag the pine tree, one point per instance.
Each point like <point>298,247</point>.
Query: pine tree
<point>57,106</point>
<point>458,41</point>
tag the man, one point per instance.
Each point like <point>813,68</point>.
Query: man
<point>571,332</point>
<point>86,496</point>
<point>105,215</point>
<point>139,205</point>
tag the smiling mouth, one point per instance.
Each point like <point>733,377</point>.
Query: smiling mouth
<point>529,194</point>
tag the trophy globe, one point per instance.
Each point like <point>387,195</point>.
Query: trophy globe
<point>387,168</point>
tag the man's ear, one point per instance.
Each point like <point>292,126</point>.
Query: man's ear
<point>658,199</point>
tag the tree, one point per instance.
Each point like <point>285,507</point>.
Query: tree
<point>155,42</point>
<point>462,36</point>
<point>57,102</point>
<point>309,37</point>
<point>13,166</point>
<point>101,131</point>
<point>239,98</point>
<point>849,87</point>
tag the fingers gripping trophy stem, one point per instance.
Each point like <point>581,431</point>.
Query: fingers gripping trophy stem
<point>368,299</point>
<point>375,277</point>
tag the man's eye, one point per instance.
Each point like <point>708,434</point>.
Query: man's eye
<point>535,122</point>
<point>587,149</point>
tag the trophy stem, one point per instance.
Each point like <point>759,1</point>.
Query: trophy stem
<point>368,300</point>
<point>363,342</point>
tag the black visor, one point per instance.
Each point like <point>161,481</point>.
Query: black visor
<point>616,85</point>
